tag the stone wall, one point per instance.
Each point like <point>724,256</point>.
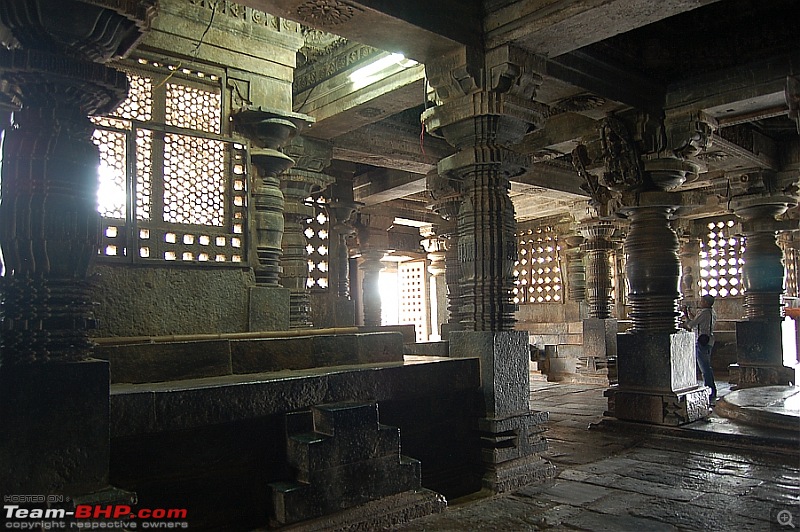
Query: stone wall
<point>154,301</point>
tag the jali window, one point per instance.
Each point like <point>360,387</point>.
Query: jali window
<point>317,232</point>
<point>721,260</point>
<point>171,187</point>
<point>538,268</point>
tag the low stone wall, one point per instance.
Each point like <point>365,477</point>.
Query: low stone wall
<point>213,445</point>
<point>167,361</point>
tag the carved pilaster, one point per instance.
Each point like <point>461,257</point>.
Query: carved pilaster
<point>311,156</point>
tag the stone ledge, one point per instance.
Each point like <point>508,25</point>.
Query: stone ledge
<point>170,406</point>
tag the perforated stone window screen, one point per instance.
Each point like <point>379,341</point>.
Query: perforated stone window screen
<point>317,233</point>
<point>721,260</point>
<point>171,188</point>
<point>412,279</point>
<point>538,268</point>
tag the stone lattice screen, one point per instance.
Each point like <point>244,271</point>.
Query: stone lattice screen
<point>721,260</point>
<point>317,232</point>
<point>538,268</point>
<point>171,187</point>
<point>413,283</point>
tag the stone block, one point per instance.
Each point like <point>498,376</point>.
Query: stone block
<point>659,408</point>
<point>55,420</point>
<point>504,358</point>
<point>379,347</point>
<point>348,460</point>
<point>434,349</point>
<point>600,337</point>
<point>268,308</point>
<point>662,362</point>
<point>166,361</point>
<point>272,354</point>
<point>759,343</point>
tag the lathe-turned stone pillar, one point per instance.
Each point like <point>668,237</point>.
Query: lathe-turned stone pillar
<point>486,106</point>
<point>576,269</point>
<point>599,328</point>
<point>373,243</point>
<point>342,210</point>
<point>446,202</point>
<point>436,246</point>
<point>54,406</point>
<point>311,158</point>
<point>267,131</point>
<point>759,345</point>
<point>655,361</point>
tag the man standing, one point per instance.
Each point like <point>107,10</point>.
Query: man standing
<point>702,323</point>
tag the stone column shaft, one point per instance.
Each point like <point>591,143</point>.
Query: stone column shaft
<point>597,249</point>
<point>371,267</point>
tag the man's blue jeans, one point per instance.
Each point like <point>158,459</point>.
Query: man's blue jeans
<point>703,354</point>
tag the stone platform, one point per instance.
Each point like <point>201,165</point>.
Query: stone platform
<point>766,406</point>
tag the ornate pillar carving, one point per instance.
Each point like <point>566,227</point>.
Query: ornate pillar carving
<point>373,243</point>
<point>485,106</point>
<point>759,346</point>
<point>312,157</point>
<point>597,249</point>
<point>482,115</point>
<point>436,246</point>
<point>446,202</point>
<point>656,361</point>
<point>268,131</point>
<point>576,270</point>
<point>53,73</point>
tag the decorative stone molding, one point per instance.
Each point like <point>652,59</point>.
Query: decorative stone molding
<point>247,14</point>
<point>326,12</point>
<point>328,64</point>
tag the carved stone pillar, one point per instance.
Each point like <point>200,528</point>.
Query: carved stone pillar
<point>436,246</point>
<point>446,203</point>
<point>576,270</point>
<point>759,346</point>
<point>371,266</point>
<point>49,235</point>
<point>311,157</point>
<point>486,106</point>
<point>690,268</point>
<point>599,329</point>
<point>655,361</point>
<point>267,130</point>
<point>342,212</point>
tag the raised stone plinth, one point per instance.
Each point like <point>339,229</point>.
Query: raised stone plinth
<point>759,355</point>
<point>767,406</point>
<point>657,380</point>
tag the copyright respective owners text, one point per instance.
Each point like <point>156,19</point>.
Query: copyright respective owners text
<point>785,518</point>
<point>60,512</point>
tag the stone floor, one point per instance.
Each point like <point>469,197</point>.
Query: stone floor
<point>712,475</point>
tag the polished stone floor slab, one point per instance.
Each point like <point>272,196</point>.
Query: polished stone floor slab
<point>715,475</point>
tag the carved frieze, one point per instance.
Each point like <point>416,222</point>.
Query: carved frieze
<point>337,61</point>
<point>247,14</point>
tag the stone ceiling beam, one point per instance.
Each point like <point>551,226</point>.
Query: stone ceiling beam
<point>555,28</point>
<point>418,29</point>
<point>338,107</point>
<point>391,145</point>
<point>382,185</point>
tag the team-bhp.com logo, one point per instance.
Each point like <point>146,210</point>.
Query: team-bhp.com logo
<point>93,516</point>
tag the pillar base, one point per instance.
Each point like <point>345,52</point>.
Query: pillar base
<point>511,435</point>
<point>269,308</point>
<point>752,376</point>
<point>598,363</point>
<point>56,437</point>
<point>657,380</point>
<point>664,408</point>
